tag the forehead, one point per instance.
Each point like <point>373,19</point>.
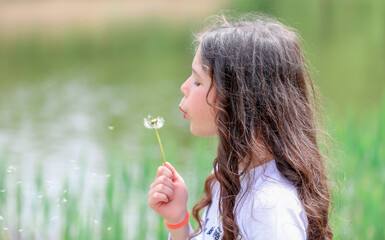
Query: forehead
<point>197,62</point>
<point>197,65</point>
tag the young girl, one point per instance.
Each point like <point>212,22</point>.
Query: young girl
<point>250,87</point>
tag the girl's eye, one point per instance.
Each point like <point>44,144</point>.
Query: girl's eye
<point>197,84</point>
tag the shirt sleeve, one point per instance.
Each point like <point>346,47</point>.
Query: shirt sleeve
<point>273,214</point>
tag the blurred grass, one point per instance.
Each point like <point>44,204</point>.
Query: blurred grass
<point>357,212</point>
<point>360,175</point>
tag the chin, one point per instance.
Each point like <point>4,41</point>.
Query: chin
<point>201,132</point>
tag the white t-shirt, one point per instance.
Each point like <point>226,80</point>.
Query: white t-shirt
<point>269,210</point>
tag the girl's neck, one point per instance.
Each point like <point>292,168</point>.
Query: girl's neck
<point>260,156</point>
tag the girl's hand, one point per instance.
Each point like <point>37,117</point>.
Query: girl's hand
<point>168,195</point>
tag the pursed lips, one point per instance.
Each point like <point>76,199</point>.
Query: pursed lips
<point>184,113</point>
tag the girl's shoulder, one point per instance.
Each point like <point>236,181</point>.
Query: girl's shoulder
<point>270,205</point>
<point>265,185</point>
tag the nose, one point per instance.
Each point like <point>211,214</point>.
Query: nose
<point>184,88</point>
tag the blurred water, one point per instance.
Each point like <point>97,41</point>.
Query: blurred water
<point>54,132</point>
<point>56,139</point>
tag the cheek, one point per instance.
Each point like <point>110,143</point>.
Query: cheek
<point>199,101</point>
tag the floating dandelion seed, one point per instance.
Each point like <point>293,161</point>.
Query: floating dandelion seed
<point>11,169</point>
<point>1,218</point>
<point>110,128</point>
<point>54,219</point>
<point>49,183</point>
<point>155,123</point>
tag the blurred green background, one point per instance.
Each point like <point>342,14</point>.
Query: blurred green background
<point>77,79</point>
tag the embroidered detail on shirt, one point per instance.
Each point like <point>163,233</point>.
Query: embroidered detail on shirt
<point>217,233</point>
<point>214,231</point>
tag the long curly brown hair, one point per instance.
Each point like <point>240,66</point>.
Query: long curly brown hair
<point>265,97</point>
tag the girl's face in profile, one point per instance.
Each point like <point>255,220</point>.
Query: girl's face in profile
<point>194,105</point>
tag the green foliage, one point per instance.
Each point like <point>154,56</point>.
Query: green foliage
<point>118,76</point>
<point>360,176</point>
<point>359,173</point>
<point>343,41</point>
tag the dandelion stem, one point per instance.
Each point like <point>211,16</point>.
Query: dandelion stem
<point>160,144</point>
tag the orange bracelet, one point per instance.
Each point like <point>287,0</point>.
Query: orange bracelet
<point>180,224</point>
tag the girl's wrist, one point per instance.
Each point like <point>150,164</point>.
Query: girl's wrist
<point>178,219</point>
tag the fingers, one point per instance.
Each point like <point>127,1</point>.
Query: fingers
<point>157,198</point>
<point>162,180</point>
<point>162,189</point>
<point>175,174</point>
<point>162,170</point>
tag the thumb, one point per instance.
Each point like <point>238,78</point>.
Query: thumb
<point>175,174</point>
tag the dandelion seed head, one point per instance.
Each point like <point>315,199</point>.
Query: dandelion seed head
<point>153,123</point>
